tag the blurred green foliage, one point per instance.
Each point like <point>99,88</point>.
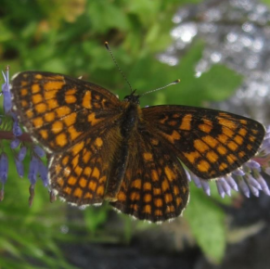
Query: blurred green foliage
<point>67,36</point>
<point>267,2</point>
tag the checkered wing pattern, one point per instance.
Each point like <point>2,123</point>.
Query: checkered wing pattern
<point>58,111</point>
<point>80,174</point>
<point>155,186</point>
<point>210,143</point>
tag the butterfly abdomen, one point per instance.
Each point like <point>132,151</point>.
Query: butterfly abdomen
<point>128,122</point>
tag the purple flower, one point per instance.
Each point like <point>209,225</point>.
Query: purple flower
<point>15,143</point>
<point>18,145</point>
<point>39,151</point>
<point>6,92</point>
<point>22,153</point>
<point>3,168</point>
<point>33,170</point>
<point>19,167</point>
<point>17,131</point>
<point>43,172</point>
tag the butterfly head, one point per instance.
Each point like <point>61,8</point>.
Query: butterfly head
<point>132,98</point>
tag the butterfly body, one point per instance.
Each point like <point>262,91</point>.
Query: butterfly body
<point>106,149</point>
<point>128,124</point>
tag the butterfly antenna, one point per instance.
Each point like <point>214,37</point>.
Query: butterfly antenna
<point>116,64</point>
<point>168,85</point>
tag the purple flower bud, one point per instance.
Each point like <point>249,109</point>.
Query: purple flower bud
<point>220,189</point>
<point>265,144</point>
<point>15,143</point>
<point>238,172</point>
<point>254,190</point>
<point>17,131</point>
<point>22,153</point>
<point>206,187</point>
<point>188,175</point>
<point>252,182</point>
<point>39,151</point>
<point>33,169</point>
<point>231,182</point>
<point>244,187</point>
<point>6,79</point>
<point>253,164</point>
<point>3,168</point>
<point>19,167</point>
<point>7,102</point>
<point>225,186</point>
<point>43,172</point>
<point>263,184</point>
<point>14,116</point>
<point>6,92</point>
<point>196,180</point>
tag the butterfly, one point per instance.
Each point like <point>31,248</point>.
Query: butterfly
<point>106,149</point>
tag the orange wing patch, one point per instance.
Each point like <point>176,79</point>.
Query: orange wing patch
<point>80,174</point>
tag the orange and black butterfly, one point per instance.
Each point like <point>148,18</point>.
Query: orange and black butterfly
<point>106,149</point>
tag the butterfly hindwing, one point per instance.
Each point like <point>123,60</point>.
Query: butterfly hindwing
<point>210,143</point>
<point>81,174</point>
<point>155,186</point>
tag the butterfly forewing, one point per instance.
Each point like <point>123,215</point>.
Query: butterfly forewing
<point>155,186</point>
<point>210,143</point>
<point>58,110</point>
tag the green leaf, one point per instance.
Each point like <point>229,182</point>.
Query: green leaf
<point>94,217</point>
<point>104,16</point>
<point>6,34</point>
<point>148,74</point>
<point>8,247</point>
<point>207,222</point>
<point>142,7</point>
<point>54,65</point>
<point>219,83</point>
